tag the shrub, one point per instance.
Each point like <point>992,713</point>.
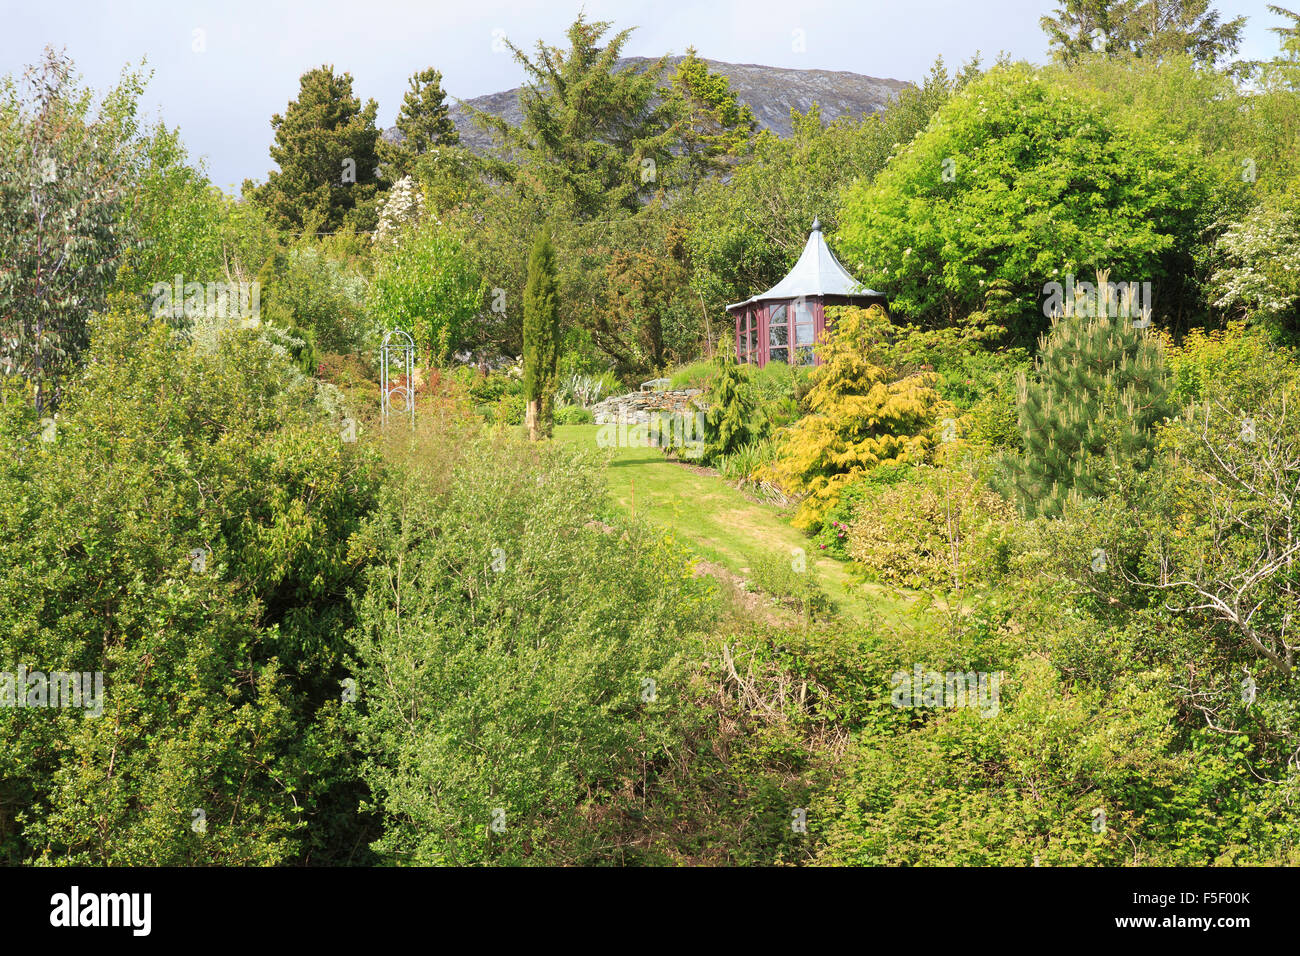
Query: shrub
<point>726,420</point>
<point>573,415</point>
<point>306,288</point>
<point>792,580</point>
<point>1100,384</point>
<point>537,668</point>
<point>185,534</point>
<point>928,531</point>
<point>508,409</point>
<point>428,287</point>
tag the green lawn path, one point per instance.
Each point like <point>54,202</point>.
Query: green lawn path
<point>718,523</point>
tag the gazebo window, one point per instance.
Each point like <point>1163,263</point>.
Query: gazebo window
<point>778,334</point>
<point>803,332</point>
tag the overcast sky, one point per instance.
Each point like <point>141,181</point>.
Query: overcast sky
<point>253,51</point>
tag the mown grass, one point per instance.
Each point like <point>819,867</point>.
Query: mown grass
<point>719,523</point>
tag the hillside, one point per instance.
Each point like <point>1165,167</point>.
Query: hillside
<point>772,92</point>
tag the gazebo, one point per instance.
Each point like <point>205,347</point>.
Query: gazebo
<point>782,324</point>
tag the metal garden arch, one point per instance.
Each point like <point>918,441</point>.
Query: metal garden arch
<point>403,350</point>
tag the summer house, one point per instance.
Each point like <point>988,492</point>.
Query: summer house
<point>782,324</point>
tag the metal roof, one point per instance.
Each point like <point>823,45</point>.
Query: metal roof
<point>817,273</point>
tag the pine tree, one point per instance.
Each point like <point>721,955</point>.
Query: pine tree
<point>326,150</point>
<point>726,423</point>
<point>541,336</point>
<point>1100,386</point>
<point>424,122</point>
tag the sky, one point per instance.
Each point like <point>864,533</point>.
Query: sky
<point>221,69</point>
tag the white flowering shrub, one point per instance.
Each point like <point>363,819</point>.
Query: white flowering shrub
<point>1259,265</point>
<point>404,208</point>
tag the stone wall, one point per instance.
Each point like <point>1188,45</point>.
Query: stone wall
<point>637,407</point>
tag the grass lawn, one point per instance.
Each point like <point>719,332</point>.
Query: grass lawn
<point>720,524</point>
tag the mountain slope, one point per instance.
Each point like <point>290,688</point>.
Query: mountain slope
<point>770,91</point>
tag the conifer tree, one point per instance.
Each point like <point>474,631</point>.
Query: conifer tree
<point>726,423</point>
<point>541,336</point>
<point>860,416</point>
<point>326,150</point>
<point>424,122</point>
<point>1100,386</point>
<point>593,133</point>
<point>714,127</point>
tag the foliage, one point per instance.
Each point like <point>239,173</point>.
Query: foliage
<point>1243,360</point>
<point>715,129</point>
<point>644,314</point>
<point>1100,384</point>
<point>574,415</point>
<point>68,169</point>
<point>833,535</point>
<point>586,390</point>
<point>185,226</point>
<point>1259,273</point>
<point>588,128</point>
<point>792,581</point>
<point>326,152</point>
<point>727,418</point>
<point>517,681</point>
<point>427,286</point>
<point>308,290</point>
<point>1017,182</point>
<point>1146,28</point>
<point>859,416</point>
<point>402,210</point>
<point>928,532</point>
<point>423,123</point>
<point>541,336</point>
<point>747,461</point>
<point>184,533</point>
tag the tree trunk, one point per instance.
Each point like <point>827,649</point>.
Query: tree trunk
<point>532,416</point>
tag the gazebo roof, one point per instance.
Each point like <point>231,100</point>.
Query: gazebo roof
<point>817,273</point>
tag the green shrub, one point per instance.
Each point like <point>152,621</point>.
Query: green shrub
<point>792,580</point>
<point>427,286</point>
<point>538,664</point>
<point>926,532</point>
<point>508,409</point>
<point>573,415</point>
<point>1100,384</point>
<point>307,289</point>
<point>184,533</point>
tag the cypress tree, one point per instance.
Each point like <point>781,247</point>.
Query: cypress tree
<point>541,336</point>
<point>1100,385</point>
